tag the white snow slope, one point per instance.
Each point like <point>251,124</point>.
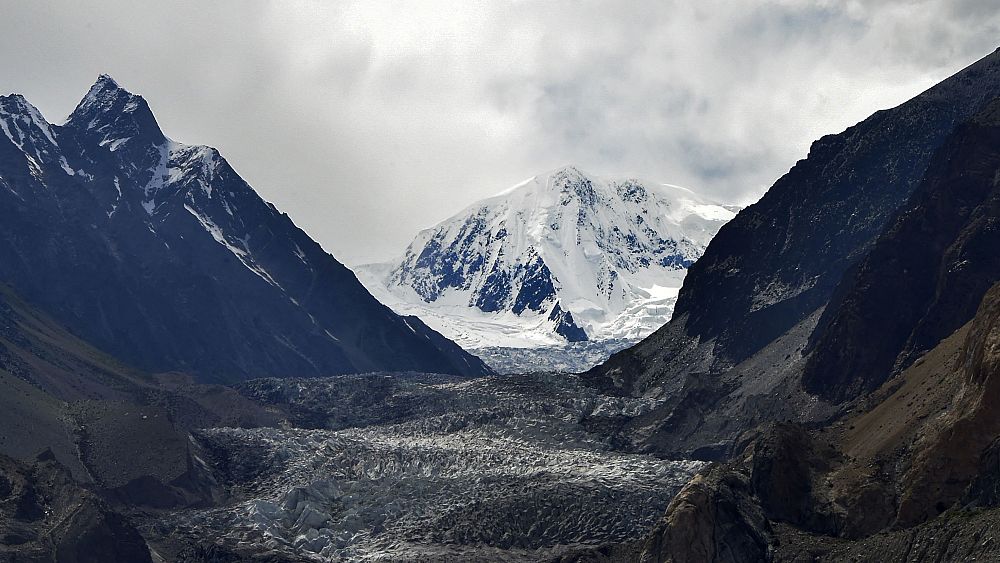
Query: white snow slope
<point>563,256</point>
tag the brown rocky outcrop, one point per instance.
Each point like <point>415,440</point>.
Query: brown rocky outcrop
<point>907,465</point>
<point>715,517</point>
<point>46,516</point>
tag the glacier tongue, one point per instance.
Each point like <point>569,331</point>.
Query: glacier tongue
<point>558,256</point>
<point>419,467</point>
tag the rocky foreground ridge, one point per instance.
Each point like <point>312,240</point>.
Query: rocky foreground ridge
<point>911,475</point>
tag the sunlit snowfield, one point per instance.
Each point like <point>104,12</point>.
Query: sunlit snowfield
<point>433,467</point>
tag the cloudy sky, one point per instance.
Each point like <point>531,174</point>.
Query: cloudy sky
<point>367,121</point>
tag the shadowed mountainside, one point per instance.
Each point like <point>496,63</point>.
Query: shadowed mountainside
<point>734,353</point>
<point>926,274</point>
<point>162,255</point>
<point>916,465</point>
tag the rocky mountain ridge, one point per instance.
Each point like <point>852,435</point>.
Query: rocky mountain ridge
<point>869,431</point>
<point>735,352</point>
<point>160,254</point>
<point>925,275</point>
<point>911,475</point>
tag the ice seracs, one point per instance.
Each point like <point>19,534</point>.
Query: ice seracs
<point>418,467</point>
<point>563,256</point>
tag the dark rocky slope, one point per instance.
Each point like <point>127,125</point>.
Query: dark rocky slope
<point>902,440</point>
<point>925,275</point>
<point>916,464</point>
<point>110,425</point>
<point>161,255</point>
<point>45,516</point>
<point>89,443</point>
<point>781,258</point>
<point>734,353</point>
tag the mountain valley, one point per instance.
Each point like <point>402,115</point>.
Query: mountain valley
<point>189,377</point>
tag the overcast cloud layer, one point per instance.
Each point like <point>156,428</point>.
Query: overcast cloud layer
<point>368,121</point>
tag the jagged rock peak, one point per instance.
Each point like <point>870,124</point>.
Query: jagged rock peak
<point>569,172</point>
<point>16,102</point>
<point>18,117</point>
<point>115,113</point>
<point>192,246</point>
<point>572,183</point>
<point>101,97</point>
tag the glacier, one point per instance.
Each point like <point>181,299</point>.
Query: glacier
<point>423,467</point>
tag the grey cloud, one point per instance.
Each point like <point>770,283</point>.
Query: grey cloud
<point>367,121</point>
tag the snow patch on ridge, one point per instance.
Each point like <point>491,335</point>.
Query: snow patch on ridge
<point>243,254</point>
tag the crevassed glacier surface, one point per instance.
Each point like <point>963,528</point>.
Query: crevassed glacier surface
<point>431,468</point>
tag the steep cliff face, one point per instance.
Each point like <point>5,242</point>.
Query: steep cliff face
<point>779,260</point>
<point>925,275</point>
<point>908,464</point>
<point>162,255</point>
<point>954,451</point>
<point>753,311</point>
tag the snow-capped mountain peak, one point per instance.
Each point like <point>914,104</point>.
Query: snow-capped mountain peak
<point>115,116</point>
<point>22,123</point>
<point>160,253</point>
<point>104,97</point>
<point>564,255</point>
